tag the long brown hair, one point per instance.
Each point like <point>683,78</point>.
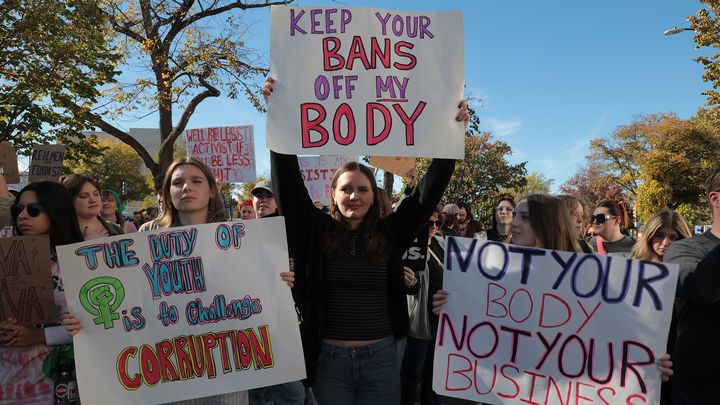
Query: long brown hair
<point>169,216</point>
<point>643,249</point>
<point>371,241</point>
<point>551,224</point>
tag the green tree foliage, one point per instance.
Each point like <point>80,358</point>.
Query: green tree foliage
<point>707,35</point>
<point>592,184</point>
<point>535,183</point>
<point>661,161</point>
<point>177,63</point>
<point>120,163</point>
<point>484,172</point>
<point>53,59</point>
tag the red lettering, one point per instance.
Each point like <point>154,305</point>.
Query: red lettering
<point>330,54</point>
<point>130,383</point>
<point>344,111</point>
<point>149,366</point>
<point>412,59</point>
<point>459,372</point>
<point>357,51</point>
<point>167,369</point>
<point>370,117</point>
<point>409,121</point>
<point>542,323</point>
<point>308,125</point>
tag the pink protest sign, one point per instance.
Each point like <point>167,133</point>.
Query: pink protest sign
<point>229,151</point>
<point>317,173</point>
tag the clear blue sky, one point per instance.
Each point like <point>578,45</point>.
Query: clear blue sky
<point>552,74</point>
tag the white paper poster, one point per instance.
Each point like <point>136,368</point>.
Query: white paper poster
<point>228,151</point>
<point>532,326</point>
<point>182,313</point>
<point>361,81</point>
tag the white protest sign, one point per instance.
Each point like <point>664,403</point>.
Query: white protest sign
<point>182,313</point>
<point>361,81</point>
<point>533,326</point>
<point>228,151</point>
<point>317,173</point>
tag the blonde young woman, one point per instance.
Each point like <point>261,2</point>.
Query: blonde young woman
<point>661,230</point>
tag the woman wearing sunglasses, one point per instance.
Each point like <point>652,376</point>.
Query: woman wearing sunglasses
<point>88,204</point>
<point>43,208</point>
<point>607,220</point>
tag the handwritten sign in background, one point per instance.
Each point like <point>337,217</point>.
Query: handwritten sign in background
<point>8,163</point>
<point>360,81</point>
<point>26,291</point>
<point>317,173</point>
<point>214,294</point>
<point>400,165</point>
<point>526,325</point>
<point>46,163</point>
<point>228,151</point>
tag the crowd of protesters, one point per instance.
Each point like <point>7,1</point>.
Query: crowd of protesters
<point>353,251</point>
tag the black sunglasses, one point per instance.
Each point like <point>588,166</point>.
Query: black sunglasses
<point>600,218</point>
<point>33,209</point>
<point>436,223</point>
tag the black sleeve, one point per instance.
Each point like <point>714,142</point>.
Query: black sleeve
<point>406,222</point>
<point>699,276</point>
<point>294,203</point>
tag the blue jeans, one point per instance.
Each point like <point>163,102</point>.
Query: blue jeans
<point>365,375</point>
<point>290,393</point>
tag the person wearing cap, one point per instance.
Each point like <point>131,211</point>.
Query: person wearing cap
<point>246,210</point>
<point>112,208</point>
<point>264,199</point>
<point>292,392</point>
<point>450,213</point>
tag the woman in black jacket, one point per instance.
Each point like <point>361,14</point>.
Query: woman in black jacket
<point>349,283</point>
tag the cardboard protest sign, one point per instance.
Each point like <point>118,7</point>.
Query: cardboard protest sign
<point>361,81</point>
<point>228,151</point>
<point>8,163</point>
<point>400,165</point>
<point>183,312</point>
<point>26,290</point>
<point>46,163</point>
<point>526,325</point>
<point>317,173</point>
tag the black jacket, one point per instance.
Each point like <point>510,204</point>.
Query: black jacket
<point>307,228</point>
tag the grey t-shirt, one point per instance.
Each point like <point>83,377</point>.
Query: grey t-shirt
<point>621,247</point>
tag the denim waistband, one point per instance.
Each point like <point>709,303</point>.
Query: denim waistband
<point>358,350</point>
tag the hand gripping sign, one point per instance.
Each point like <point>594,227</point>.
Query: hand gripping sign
<point>359,81</point>
<point>533,326</point>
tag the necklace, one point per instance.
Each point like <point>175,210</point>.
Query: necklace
<point>353,240</point>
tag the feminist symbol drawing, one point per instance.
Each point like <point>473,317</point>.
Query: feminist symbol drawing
<point>101,297</point>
